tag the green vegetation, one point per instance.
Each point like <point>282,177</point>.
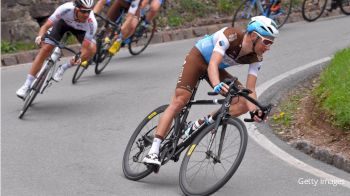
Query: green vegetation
<point>287,109</point>
<point>333,93</point>
<point>7,47</point>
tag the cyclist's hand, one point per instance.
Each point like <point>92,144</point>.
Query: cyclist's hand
<point>221,88</point>
<point>75,61</point>
<point>258,115</point>
<point>38,40</point>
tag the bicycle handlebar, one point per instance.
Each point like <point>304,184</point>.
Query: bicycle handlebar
<point>107,20</point>
<point>62,46</point>
<point>234,90</point>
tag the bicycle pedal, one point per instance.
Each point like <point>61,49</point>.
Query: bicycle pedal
<point>153,167</point>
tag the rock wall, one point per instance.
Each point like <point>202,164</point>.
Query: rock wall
<point>21,19</point>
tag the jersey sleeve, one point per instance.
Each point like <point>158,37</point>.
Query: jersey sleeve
<point>222,43</point>
<point>92,28</point>
<point>254,68</point>
<point>59,13</point>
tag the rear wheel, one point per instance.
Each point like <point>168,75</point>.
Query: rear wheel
<point>345,6</point>
<point>141,38</point>
<point>139,145</point>
<point>205,170</point>
<point>313,9</point>
<point>280,13</point>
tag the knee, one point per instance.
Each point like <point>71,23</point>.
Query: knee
<point>177,104</point>
<point>239,108</point>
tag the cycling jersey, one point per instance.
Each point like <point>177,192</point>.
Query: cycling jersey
<point>66,13</point>
<point>228,42</point>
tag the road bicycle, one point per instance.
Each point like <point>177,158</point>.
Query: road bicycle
<point>313,9</point>
<point>44,78</point>
<point>214,151</point>
<point>278,10</point>
<point>137,42</point>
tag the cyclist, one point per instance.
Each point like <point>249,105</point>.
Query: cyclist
<point>131,19</point>
<point>154,8</point>
<point>210,56</point>
<point>75,17</point>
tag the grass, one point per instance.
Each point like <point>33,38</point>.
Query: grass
<point>7,47</point>
<point>287,109</point>
<point>333,93</point>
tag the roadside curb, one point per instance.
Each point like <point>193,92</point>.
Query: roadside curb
<point>272,91</point>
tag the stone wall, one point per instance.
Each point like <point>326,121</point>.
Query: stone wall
<point>21,19</point>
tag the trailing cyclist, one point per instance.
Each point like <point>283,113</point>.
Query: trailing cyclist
<point>75,17</point>
<point>210,56</point>
<point>154,9</point>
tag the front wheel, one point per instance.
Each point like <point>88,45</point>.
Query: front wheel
<point>244,13</point>
<point>139,145</point>
<point>205,170</point>
<point>313,9</point>
<point>141,38</point>
<point>79,72</point>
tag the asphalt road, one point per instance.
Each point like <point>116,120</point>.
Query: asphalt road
<point>72,140</point>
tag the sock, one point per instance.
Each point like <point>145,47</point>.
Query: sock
<point>66,66</point>
<point>29,80</point>
<point>155,146</point>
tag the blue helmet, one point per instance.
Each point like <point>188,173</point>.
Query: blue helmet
<point>263,25</point>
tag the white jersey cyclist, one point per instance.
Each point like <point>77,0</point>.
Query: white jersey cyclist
<point>228,42</point>
<point>66,13</point>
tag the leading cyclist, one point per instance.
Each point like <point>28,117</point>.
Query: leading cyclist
<point>75,17</point>
<point>210,56</point>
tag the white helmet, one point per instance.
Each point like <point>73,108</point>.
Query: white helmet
<point>263,25</point>
<point>88,4</point>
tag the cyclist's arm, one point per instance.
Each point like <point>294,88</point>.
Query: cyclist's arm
<point>251,84</point>
<point>43,29</point>
<point>99,6</point>
<point>213,68</point>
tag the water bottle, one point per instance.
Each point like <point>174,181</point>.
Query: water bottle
<point>56,54</point>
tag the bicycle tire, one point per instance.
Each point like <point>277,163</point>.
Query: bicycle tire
<point>281,19</point>
<point>129,173</point>
<point>308,13</point>
<point>33,93</point>
<point>198,144</point>
<point>138,44</point>
<point>242,17</point>
<point>78,73</point>
<point>102,56</point>
<point>344,6</point>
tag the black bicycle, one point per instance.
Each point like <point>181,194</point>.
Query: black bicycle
<point>313,9</point>
<point>44,78</point>
<point>215,151</point>
<point>137,43</point>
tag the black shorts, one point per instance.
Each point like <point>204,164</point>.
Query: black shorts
<point>60,28</point>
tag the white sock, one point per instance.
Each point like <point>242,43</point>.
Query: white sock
<point>155,146</point>
<point>66,66</point>
<point>29,80</point>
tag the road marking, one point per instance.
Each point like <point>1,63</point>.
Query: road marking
<point>275,150</point>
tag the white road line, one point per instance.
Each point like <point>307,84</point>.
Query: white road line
<point>275,150</point>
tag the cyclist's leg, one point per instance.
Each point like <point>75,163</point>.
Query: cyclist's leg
<point>114,11</point>
<point>155,7</point>
<point>192,69</point>
<point>131,21</point>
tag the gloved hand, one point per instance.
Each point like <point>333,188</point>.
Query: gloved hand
<point>218,87</point>
<point>38,40</point>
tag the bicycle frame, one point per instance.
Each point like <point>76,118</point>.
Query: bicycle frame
<point>257,3</point>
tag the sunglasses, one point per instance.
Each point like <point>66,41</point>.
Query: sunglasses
<point>84,11</point>
<point>265,41</point>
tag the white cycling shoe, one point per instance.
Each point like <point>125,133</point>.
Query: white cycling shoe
<point>58,74</point>
<point>23,92</point>
<point>151,159</point>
